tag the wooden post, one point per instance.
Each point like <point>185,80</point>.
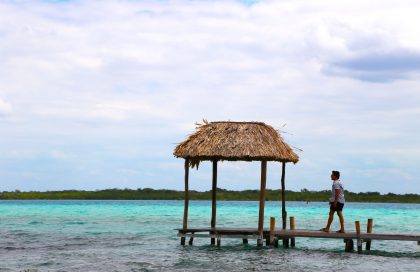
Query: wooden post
<point>262,202</point>
<point>292,227</point>
<point>283,202</point>
<point>359,241</point>
<point>213,198</point>
<point>349,245</point>
<point>369,230</point>
<point>270,240</point>
<point>185,223</point>
<point>245,241</point>
<point>190,242</point>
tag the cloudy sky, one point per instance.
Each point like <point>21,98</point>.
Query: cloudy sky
<point>96,94</point>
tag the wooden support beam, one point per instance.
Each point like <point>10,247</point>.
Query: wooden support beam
<point>186,200</point>
<point>270,240</point>
<point>213,197</point>
<point>262,202</point>
<point>245,241</point>
<point>292,227</point>
<point>369,230</point>
<point>349,245</point>
<point>359,241</point>
<point>283,202</point>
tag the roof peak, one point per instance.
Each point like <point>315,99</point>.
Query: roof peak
<point>238,122</point>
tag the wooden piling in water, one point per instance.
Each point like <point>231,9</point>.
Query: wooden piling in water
<point>213,198</point>
<point>349,245</point>
<point>369,230</point>
<point>292,227</point>
<point>190,242</point>
<point>185,221</point>
<point>262,202</point>
<point>359,241</point>
<point>271,238</point>
<point>283,202</point>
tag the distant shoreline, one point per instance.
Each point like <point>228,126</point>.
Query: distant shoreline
<point>222,194</point>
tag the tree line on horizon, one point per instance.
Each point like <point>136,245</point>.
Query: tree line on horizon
<point>222,194</point>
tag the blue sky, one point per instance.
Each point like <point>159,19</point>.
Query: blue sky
<point>96,94</point>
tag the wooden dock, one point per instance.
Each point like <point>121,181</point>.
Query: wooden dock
<point>273,235</point>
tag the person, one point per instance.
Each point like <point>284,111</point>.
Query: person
<point>336,202</point>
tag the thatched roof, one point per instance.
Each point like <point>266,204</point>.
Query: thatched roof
<point>234,141</point>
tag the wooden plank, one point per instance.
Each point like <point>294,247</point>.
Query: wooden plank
<point>396,237</point>
<point>186,199</point>
<point>314,234</point>
<point>308,233</point>
<point>218,235</point>
<point>250,230</point>
<point>213,197</point>
<point>262,202</point>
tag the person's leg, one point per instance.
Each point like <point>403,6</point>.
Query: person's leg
<point>330,220</point>
<point>340,216</point>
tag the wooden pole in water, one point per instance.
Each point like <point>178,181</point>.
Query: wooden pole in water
<point>213,198</point>
<point>185,222</point>
<point>262,202</point>
<point>369,230</point>
<point>270,240</point>
<point>349,245</point>
<point>191,239</point>
<point>283,202</point>
<point>359,241</point>
<point>292,227</point>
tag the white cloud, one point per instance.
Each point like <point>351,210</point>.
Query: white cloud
<point>140,73</point>
<point>5,108</point>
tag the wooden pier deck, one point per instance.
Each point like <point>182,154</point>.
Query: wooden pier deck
<point>272,236</point>
<point>252,233</point>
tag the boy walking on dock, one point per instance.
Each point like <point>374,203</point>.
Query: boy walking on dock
<point>336,202</point>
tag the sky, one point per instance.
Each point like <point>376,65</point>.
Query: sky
<point>96,94</point>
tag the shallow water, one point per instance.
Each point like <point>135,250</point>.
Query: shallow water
<point>140,236</point>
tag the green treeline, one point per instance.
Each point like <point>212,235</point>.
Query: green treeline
<point>222,194</point>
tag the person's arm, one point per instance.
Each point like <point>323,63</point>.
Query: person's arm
<point>337,194</point>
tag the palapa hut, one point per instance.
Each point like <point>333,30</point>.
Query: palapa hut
<point>234,141</point>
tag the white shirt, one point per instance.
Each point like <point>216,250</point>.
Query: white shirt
<point>337,185</point>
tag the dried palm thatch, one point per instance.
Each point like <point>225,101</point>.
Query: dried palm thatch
<point>234,141</point>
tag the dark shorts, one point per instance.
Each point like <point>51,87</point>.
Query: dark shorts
<point>337,208</point>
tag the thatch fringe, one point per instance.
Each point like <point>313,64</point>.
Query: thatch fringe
<point>234,141</point>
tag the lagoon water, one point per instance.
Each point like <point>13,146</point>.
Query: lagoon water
<point>139,236</point>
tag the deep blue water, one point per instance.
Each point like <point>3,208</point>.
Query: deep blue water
<point>139,236</point>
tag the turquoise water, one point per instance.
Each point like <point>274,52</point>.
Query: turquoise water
<point>140,236</point>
